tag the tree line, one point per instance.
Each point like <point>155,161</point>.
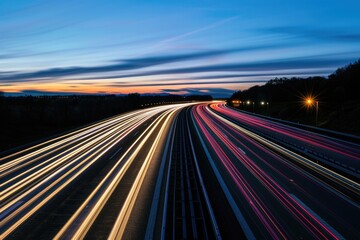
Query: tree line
<point>342,85</point>
<point>337,94</point>
<point>78,109</point>
<point>25,118</point>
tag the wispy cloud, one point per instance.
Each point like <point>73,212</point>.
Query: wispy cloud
<point>193,32</point>
<point>41,93</point>
<point>256,78</point>
<point>315,33</point>
<point>182,83</point>
<point>259,66</point>
<point>321,72</point>
<point>129,64</point>
<point>219,92</point>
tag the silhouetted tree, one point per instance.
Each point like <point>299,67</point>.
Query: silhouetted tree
<point>338,95</point>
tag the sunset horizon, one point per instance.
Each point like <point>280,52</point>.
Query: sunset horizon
<point>93,47</point>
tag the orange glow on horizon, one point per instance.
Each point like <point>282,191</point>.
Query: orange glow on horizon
<point>104,87</point>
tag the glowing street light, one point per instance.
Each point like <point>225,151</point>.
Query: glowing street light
<point>310,102</point>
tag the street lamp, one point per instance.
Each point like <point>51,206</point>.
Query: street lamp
<point>309,102</point>
<point>317,113</point>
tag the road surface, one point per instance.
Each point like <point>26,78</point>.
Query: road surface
<point>191,170</point>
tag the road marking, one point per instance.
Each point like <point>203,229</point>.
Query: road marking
<point>155,201</point>
<point>242,150</point>
<point>112,156</point>
<point>239,216</point>
<point>318,217</point>
<point>207,200</point>
<point>120,224</point>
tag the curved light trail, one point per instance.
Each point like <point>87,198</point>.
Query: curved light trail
<point>178,171</point>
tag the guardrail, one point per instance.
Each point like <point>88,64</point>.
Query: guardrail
<point>322,131</point>
<point>315,155</point>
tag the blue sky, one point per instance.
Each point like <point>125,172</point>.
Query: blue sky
<point>215,47</point>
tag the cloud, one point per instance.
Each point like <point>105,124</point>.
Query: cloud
<point>7,72</point>
<point>128,64</point>
<point>309,62</point>
<point>41,30</point>
<point>215,92</point>
<point>258,74</point>
<point>314,33</point>
<point>271,65</point>
<point>221,79</point>
<point>41,93</point>
<point>196,31</point>
<point>7,56</point>
<point>184,83</point>
<point>265,76</point>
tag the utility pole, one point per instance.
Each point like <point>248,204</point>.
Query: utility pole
<point>317,113</point>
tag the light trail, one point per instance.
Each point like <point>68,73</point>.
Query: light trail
<point>344,181</point>
<point>67,158</point>
<point>123,217</point>
<point>183,158</point>
<point>344,155</point>
<point>223,137</point>
<point>54,143</point>
<point>53,175</point>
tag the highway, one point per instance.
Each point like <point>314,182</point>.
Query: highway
<point>183,171</point>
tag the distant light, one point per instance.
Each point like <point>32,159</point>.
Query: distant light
<point>262,103</point>
<point>248,102</point>
<point>309,101</point>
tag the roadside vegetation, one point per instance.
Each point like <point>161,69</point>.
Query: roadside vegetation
<point>28,118</point>
<point>337,95</point>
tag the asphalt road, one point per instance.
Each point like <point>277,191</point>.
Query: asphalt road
<point>183,171</point>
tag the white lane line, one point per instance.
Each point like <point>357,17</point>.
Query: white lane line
<point>336,233</point>
<point>156,198</point>
<point>239,216</point>
<point>242,150</point>
<point>119,226</point>
<point>203,188</point>
<point>117,151</point>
